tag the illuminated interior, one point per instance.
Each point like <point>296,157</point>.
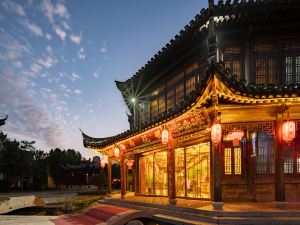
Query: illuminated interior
<point>153,174</point>
<point>192,171</point>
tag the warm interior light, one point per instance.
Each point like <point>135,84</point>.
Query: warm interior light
<point>216,133</point>
<point>129,164</point>
<point>165,137</point>
<point>117,152</point>
<point>288,131</point>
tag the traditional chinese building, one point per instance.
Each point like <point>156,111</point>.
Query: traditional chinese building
<point>216,113</point>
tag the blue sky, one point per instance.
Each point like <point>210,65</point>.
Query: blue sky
<point>59,61</point>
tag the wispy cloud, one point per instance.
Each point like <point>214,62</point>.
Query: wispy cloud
<point>13,50</point>
<point>61,33</point>
<point>96,75</point>
<point>75,38</point>
<point>32,27</point>
<point>78,92</point>
<point>58,17</point>
<point>13,7</point>
<point>75,77</point>
<point>29,118</point>
<point>81,53</point>
<point>103,49</point>
<point>35,68</point>
<point>48,37</point>
<point>47,62</point>
<point>61,10</point>
<point>49,49</point>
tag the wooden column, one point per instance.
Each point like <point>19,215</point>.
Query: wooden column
<point>279,160</point>
<point>216,175</point>
<point>250,165</point>
<point>123,177</point>
<point>136,175</point>
<point>109,176</point>
<point>171,175</point>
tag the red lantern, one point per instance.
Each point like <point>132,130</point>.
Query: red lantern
<point>165,137</point>
<point>235,136</point>
<point>102,164</point>
<point>288,131</point>
<point>129,164</point>
<point>117,152</point>
<point>216,133</point>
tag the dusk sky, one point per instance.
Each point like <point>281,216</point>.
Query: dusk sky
<point>59,61</point>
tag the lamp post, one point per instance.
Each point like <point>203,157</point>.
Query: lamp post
<point>133,100</point>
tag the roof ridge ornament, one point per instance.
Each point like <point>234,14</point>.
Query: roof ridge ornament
<point>2,121</point>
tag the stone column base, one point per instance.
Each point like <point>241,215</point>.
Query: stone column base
<point>108,195</point>
<point>281,205</point>
<point>122,196</point>
<point>172,201</point>
<point>217,205</point>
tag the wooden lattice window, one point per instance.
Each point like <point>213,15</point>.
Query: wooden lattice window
<point>170,99</point>
<point>154,108</point>
<point>232,160</point>
<point>190,84</point>
<point>233,60</point>
<point>278,61</point>
<point>161,104</point>
<point>227,160</point>
<point>237,160</point>
<point>265,153</point>
<point>292,156</point>
<point>141,112</point>
<point>179,93</point>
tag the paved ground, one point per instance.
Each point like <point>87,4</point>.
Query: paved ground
<point>184,212</point>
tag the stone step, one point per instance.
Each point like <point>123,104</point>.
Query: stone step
<point>26,220</point>
<point>178,221</point>
<point>198,218</point>
<point>244,213</point>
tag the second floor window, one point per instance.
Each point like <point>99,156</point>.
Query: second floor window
<point>154,108</point>
<point>233,59</point>
<point>277,62</point>
<point>179,93</point>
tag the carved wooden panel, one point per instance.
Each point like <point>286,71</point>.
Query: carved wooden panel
<point>267,126</point>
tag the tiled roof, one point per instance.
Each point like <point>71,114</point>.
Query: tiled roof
<point>225,75</point>
<point>226,13</point>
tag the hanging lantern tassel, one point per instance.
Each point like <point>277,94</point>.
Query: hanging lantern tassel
<point>216,133</point>
<point>288,131</point>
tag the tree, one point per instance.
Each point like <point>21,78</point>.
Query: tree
<point>100,180</point>
<point>40,173</point>
<point>16,162</point>
<point>57,158</point>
